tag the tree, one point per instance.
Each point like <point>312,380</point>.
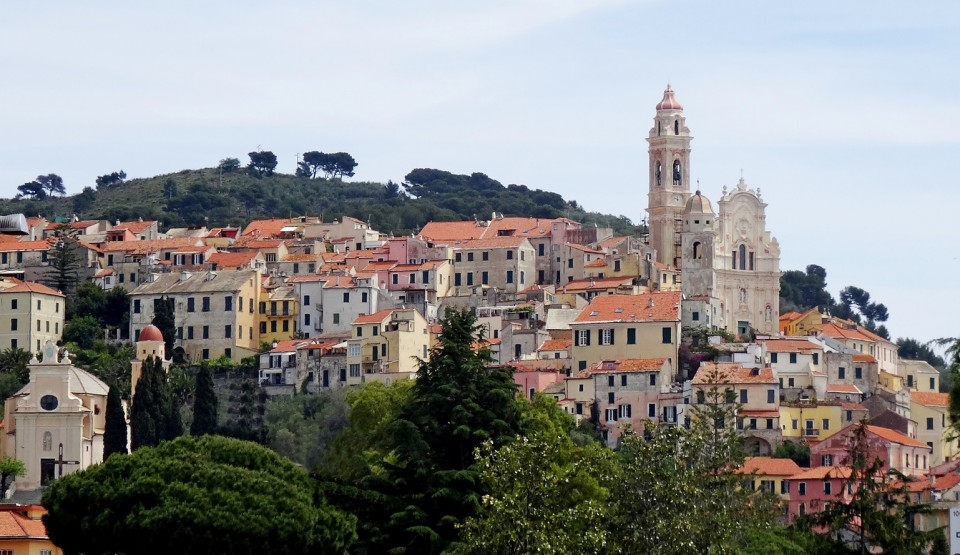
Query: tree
<point>9,468</point>
<point>165,319</point>
<point>878,513</point>
<point>63,262</point>
<point>228,165</point>
<point>798,452</point>
<point>204,404</point>
<point>855,304</point>
<point>32,189</point>
<point>804,290</point>
<point>84,331</point>
<point>155,415</point>
<point>84,200</point>
<point>115,427</point>
<point>52,183</point>
<point>457,404</point>
<point>262,163</point>
<point>335,165</point>
<point>111,179</point>
<point>195,495</point>
<point>911,349</point>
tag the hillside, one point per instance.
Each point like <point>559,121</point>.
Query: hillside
<point>204,197</point>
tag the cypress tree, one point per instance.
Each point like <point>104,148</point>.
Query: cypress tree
<point>165,320</point>
<point>146,422</point>
<point>115,428</point>
<point>204,405</point>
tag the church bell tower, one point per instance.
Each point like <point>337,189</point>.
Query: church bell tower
<point>669,149</point>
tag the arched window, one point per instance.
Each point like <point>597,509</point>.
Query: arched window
<point>659,173</point>
<point>676,172</point>
<point>47,441</point>
<point>676,127</point>
<point>658,129</point>
<point>697,250</point>
<point>743,257</point>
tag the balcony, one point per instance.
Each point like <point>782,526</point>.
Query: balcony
<point>811,432</point>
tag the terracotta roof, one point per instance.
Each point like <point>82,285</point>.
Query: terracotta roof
<point>930,399</point>
<point>863,358</point>
<point>256,243</point>
<point>16,525</point>
<point>769,466</point>
<point>611,241</point>
<point>823,472</point>
<point>598,263</point>
<point>103,273</point>
<point>853,331</point>
<point>789,316</point>
<point>288,345</point>
<point>597,283</point>
<point>300,278</point>
<point>583,248</point>
<point>645,307</point>
<point>731,372</point>
<point>268,228</point>
<point>843,388</point>
<point>791,345</point>
<point>300,258</point>
<point>27,287</point>
<point>491,243</point>
<point>848,405</point>
<point>556,345</point>
<point>895,437</point>
<point>451,231</point>
<point>232,259</point>
<point>150,246</point>
<point>622,365</point>
<point>374,318</point>
<point>134,227</point>
<point>12,246</point>
<point>464,230</point>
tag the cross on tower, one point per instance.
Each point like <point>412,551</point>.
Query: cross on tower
<point>61,462</point>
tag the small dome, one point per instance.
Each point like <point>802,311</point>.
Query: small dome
<point>150,333</point>
<point>669,101</point>
<point>698,204</point>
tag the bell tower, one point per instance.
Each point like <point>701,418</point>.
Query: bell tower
<point>669,149</point>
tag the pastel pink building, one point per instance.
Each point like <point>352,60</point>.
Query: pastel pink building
<point>810,489</point>
<point>896,450</point>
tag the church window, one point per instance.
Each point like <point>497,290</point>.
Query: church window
<point>733,264</point>
<point>743,257</point>
<point>676,127</point>
<point>659,172</point>
<point>658,134</point>
<point>676,172</point>
<point>697,250</point>
<point>47,441</point>
<point>751,260</point>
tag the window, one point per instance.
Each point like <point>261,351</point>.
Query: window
<point>346,297</point>
<point>569,263</point>
<point>769,423</point>
<point>743,395</point>
<point>795,424</point>
<point>606,337</point>
<point>802,488</point>
<point>227,331</point>
<point>771,396</point>
<point>826,423</point>
<point>841,373</point>
<point>354,370</point>
<point>785,486</point>
<point>336,317</point>
<point>205,354</point>
<point>228,303</point>
<point>306,300</point>
<point>653,379</point>
<point>189,332</point>
<point>858,373</point>
<point>623,380</point>
<point>611,415</point>
<point>228,352</point>
<point>816,358</point>
<point>190,304</point>
<point>363,297</point>
<point>610,397</point>
<point>484,278</point>
<point>929,423</point>
<point>206,332</point>
<point>509,275</point>
<point>933,384</point>
<point>767,485</point>
<point>580,388</point>
<point>802,509</point>
<point>306,319</point>
<point>485,255</point>
<point>13,324</point>
<point>136,306</point>
<point>667,335</point>
<point>541,249</point>
<point>611,380</point>
<point>793,358</point>
<point>790,382</point>
<point>456,279</point>
<point>509,255</point>
<point>206,304</point>
<point>13,304</point>
<point>359,331</point>
<point>773,358</point>
<point>652,410</point>
<point>827,488</point>
<point>273,326</point>
<point>263,327</point>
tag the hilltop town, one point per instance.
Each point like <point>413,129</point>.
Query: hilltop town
<point>623,332</point>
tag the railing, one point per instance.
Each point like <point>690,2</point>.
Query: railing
<point>811,432</point>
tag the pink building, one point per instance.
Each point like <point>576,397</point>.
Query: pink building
<point>810,489</point>
<point>896,450</point>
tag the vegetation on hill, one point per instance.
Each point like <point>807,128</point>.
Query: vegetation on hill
<point>226,195</point>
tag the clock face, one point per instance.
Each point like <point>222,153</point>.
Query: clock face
<point>49,402</point>
<point>676,198</point>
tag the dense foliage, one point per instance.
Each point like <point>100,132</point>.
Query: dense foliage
<point>155,414</point>
<point>194,496</point>
<point>224,196</point>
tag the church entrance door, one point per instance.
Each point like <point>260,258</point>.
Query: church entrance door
<point>48,471</point>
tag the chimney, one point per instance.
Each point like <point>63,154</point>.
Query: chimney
<point>651,302</point>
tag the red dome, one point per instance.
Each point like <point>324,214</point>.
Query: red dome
<point>150,333</point>
<point>669,101</point>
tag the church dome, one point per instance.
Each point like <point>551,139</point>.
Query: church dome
<point>150,333</point>
<point>698,204</point>
<point>669,101</point>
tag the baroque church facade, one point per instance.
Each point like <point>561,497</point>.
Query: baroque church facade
<point>729,262</point>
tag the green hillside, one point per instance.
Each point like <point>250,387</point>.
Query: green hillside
<point>205,197</point>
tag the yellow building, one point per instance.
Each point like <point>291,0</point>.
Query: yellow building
<point>215,312</point>
<point>23,532</point>
<point>919,375</point>
<point>277,313</point>
<point>388,342</point>
<point>805,323</point>
<point>931,412</point>
<point>811,421</point>
<point>30,315</point>
<point>769,474</point>
<point>890,381</point>
<point>618,327</point>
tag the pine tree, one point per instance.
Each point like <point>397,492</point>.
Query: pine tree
<point>63,272</point>
<point>115,428</point>
<point>204,405</point>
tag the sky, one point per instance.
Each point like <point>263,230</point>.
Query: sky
<point>844,114</point>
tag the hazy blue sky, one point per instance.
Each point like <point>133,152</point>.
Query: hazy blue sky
<point>845,114</point>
